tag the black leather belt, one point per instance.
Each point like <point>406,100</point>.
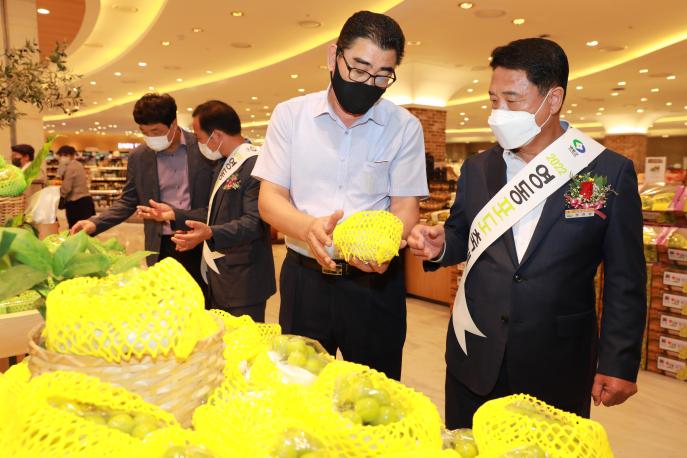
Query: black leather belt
<point>342,267</point>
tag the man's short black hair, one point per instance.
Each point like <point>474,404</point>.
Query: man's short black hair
<point>155,108</point>
<point>66,150</point>
<point>24,150</point>
<point>544,62</point>
<point>381,29</point>
<point>217,115</point>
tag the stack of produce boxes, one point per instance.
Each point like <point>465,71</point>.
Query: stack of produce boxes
<point>665,248</point>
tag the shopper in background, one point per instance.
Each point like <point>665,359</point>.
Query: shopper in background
<point>237,252</point>
<point>74,195</point>
<point>531,293</point>
<point>22,157</point>
<point>167,168</point>
<point>326,156</point>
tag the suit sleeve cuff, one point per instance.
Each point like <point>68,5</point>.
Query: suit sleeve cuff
<point>439,258</point>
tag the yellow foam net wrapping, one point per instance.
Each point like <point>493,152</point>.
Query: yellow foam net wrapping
<point>521,420</point>
<point>153,312</point>
<point>369,236</point>
<point>176,442</point>
<point>71,414</point>
<point>12,384</point>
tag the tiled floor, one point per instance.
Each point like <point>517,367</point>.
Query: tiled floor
<point>652,423</point>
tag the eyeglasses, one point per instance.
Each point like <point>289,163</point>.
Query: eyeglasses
<point>361,76</point>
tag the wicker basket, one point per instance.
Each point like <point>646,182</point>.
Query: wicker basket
<point>11,207</point>
<point>176,386</point>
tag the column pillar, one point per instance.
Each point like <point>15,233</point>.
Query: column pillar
<point>434,128</point>
<point>632,146</point>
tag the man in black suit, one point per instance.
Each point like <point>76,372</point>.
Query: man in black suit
<point>168,166</point>
<point>237,254</point>
<point>531,292</point>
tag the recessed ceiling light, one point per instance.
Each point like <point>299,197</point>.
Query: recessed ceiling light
<point>301,90</point>
<point>614,94</point>
<point>129,93</point>
<point>268,114</point>
<point>42,11</point>
<point>109,99</point>
<point>151,88</point>
<point>323,67</point>
<point>598,113</point>
<point>484,107</point>
<point>592,43</point>
<point>644,70</point>
<point>581,118</point>
<point>466,119</point>
<point>209,72</point>
<point>196,30</point>
<point>639,110</point>
<point>579,88</point>
<point>294,76</point>
<point>142,64</point>
<point>671,77</point>
<point>655,89</point>
<point>518,21</point>
<point>254,98</point>
<point>466,5</point>
<point>117,73</point>
<point>64,123</point>
<point>622,83</point>
<point>97,123</point>
<point>93,83</point>
<point>669,104</point>
<point>166,43</point>
<point>252,116</point>
<point>462,123</point>
<point>574,105</point>
<point>643,99</point>
<point>95,103</point>
<point>462,113</point>
<point>470,89</point>
<point>309,24</point>
<point>475,81</point>
<point>569,111</point>
<point>237,13</point>
<point>247,109</point>
<point>179,80</point>
<point>601,109</point>
<point>189,109</point>
<point>265,107</point>
<point>414,43</point>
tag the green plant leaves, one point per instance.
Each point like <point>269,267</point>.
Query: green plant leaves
<point>28,250</point>
<point>6,239</point>
<point>67,250</point>
<point>18,279</point>
<point>125,263</point>
<point>34,169</point>
<point>83,264</point>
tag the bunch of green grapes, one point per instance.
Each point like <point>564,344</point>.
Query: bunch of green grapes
<point>363,403</point>
<point>187,451</point>
<point>138,425</point>
<point>462,441</point>
<point>297,444</point>
<point>526,451</point>
<point>297,351</point>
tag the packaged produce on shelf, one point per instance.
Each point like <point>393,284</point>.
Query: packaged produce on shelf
<point>671,367</point>
<point>521,420</point>
<point>667,323</point>
<point>369,236</point>
<point>650,237</point>
<point>661,202</point>
<point>672,248</point>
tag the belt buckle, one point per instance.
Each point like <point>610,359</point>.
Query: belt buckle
<point>338,270</point>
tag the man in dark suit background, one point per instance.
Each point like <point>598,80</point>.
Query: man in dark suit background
<point>168,167</point>
<point>238,259</point>
<point>531,293</point>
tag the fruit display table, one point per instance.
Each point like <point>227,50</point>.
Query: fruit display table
<point>14,329</point>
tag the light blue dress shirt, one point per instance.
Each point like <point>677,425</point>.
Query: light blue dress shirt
<point>327,166</point>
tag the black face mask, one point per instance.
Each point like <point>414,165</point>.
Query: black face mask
<point>16,162</point>
<point>355,98</point>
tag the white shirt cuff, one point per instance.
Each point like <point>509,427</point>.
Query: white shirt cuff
<point>439,258</point>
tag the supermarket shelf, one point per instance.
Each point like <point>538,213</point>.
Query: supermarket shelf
<point>109,179</point>
<point>96,167</point>
<point>105,192</point>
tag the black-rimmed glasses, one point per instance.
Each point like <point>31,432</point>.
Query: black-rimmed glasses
<point>362,76</point>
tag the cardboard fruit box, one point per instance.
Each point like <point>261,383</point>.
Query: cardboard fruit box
<point>669,346</point>
<point>667,366</point>
<point>668,301</point>
<point>668,277</point>
<point>667,324</point>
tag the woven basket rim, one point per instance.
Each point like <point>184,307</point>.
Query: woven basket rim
<point>36,347</point>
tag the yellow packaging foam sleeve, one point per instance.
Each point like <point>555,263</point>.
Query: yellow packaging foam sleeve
<point>156,312</point>
<point>369,236</point>
<point>55,417</point>
<point>520,419</point>
<point>176,442</point>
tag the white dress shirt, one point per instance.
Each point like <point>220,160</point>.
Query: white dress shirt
<point>327,166</point>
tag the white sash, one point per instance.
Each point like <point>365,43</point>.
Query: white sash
<point>231,165</point>
<point>541,177</point>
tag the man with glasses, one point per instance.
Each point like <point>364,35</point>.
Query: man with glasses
<point>326,156</point>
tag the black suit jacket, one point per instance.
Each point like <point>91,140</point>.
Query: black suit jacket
<point>246,271</point>
<point>142,185</point>
<point>539,314</point>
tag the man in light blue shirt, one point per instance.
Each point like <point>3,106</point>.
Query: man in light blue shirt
<point>326,156</point>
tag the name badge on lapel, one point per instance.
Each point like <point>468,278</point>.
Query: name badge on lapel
<point>587,196</point>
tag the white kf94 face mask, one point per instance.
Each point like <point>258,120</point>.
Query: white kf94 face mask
<point>161,142</point>
<point>209,153</point>
<point>515,129</point>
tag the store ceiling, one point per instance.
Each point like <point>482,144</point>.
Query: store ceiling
<point>247,52</point>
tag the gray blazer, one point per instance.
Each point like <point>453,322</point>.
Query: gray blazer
<point>246,271</point>
<point>142,185</point>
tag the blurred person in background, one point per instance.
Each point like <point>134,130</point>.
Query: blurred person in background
<point>22,157</point>
<point>74,195</point>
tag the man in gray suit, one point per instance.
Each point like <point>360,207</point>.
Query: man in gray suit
<point>167,168</point>
<point>237,252</point>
